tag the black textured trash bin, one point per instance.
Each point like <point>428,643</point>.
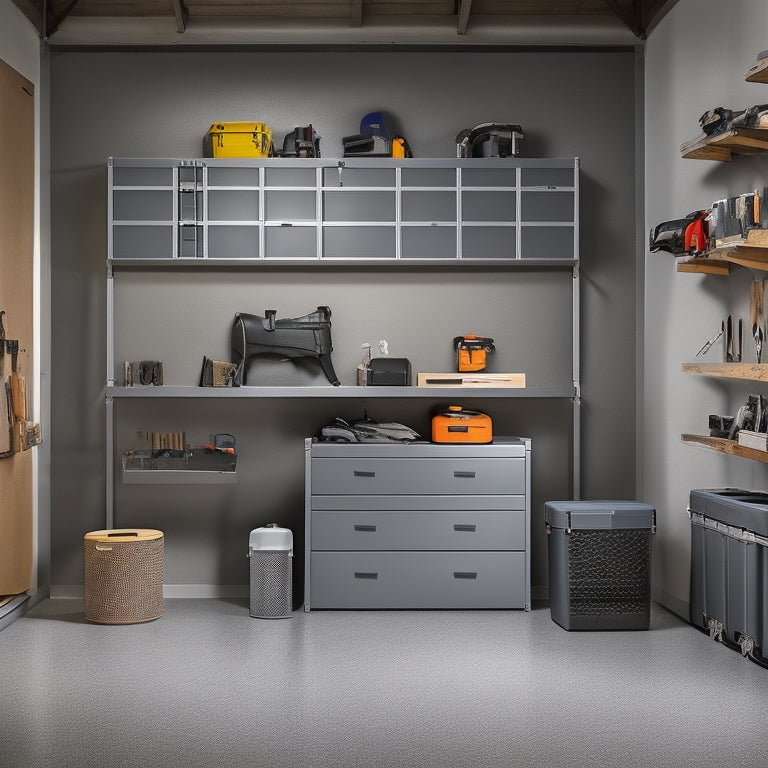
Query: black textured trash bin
<point>600,563</point>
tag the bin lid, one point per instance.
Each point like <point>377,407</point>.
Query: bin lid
<point>742,509</point>
<point>271,537</point>
<point>601,515</point>
<point>124,534</point>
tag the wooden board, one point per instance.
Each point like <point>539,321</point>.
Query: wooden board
<point>736,141</point>
<point>723,445</point>
<point>16,251</point>
<point>758,73</point>
<point>746,371</point>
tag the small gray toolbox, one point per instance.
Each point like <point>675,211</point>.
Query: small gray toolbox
<point>729,563</point>
<point>600,563</point>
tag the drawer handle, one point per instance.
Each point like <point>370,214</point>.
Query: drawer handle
<point>361,473</point>
<point>465,574</point>
<point>458,473</point>
<point>366,575</point>
<point>465,527</point>
<point>360,527</point>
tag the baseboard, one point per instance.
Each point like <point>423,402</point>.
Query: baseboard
<point>540,593</point>
<point>226,591</point>
<point>672,603</point>
<point>13,610</point>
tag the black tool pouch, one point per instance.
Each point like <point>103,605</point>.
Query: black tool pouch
<point>306,336</point>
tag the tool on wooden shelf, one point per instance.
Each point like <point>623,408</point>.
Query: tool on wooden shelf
<point>16,432</point>
<point>720,119</point>
<point>732,354</point>
<point>709,344</point>
<point>687,235</point>
<point>471,351</point>
<point>757,316</point>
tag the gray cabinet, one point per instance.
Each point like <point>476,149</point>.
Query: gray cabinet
<point>417,526</point>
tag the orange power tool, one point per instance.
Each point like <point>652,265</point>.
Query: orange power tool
<point>471,351</point>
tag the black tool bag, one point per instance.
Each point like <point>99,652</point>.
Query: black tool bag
<point>306,336</point>
<point>715,121</point>
<point>719,119</point>
<point>366,430</point>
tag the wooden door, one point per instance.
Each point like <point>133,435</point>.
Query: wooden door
<point>17,185</point>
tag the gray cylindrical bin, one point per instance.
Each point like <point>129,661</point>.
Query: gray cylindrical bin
<point>600,563</point>
<point>270,550</point>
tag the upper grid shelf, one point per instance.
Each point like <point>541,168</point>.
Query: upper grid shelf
<point>347,212</point>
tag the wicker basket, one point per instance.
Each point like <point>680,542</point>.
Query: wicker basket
<point>123,575</point>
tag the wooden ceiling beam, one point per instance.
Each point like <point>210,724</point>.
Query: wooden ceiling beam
<point>53,21</point>
<point>34,12</point>
<point>465,6</point>
<point>182,16</point>
<point>640,16</point>
<point>356,13</point>
<point>629,18</point>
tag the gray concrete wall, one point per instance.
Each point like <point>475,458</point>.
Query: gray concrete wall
<point>695,60</point>
<point>159,104</point>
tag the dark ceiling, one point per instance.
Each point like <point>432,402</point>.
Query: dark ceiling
<point>52,16</point>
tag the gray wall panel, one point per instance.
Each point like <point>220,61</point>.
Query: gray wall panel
<point>683,310</point>
<point>160,104</point>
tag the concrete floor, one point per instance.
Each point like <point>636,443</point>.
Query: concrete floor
<point>207,686</point>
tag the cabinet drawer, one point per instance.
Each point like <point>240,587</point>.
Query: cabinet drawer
<point>418,530</point>
<point>416,475</point>
<point>418,580</point>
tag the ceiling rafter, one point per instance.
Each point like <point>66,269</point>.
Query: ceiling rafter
<point>629,18</point>
<point>51,22</point>
<point>639,16</point>
<point>356,13</point>
<point>182,15</point>
<point>465,6</point>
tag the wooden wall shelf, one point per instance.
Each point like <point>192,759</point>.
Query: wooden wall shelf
<point>751,253</point>
<point>736,141</point>
<point>758,73</point>
<point>746,371</point>
<point>723,445</point>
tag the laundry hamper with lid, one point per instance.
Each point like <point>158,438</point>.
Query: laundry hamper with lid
<point>123,575</point>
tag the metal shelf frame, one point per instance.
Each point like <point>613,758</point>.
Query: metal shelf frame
<point>553,176</point>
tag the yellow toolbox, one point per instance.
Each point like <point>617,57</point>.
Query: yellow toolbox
<point>238,140</point>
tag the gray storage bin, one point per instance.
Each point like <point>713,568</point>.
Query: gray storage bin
<point>729,563</point>
<point>600,563</point>
<point>270,550</point>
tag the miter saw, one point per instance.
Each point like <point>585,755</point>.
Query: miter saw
<point>375,140</point>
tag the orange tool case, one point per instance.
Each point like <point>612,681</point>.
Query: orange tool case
<point>455,425</point>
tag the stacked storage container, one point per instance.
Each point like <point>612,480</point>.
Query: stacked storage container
<point>729,567</point>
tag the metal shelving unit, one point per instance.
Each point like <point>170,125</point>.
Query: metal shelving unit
<point>234,215</point>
